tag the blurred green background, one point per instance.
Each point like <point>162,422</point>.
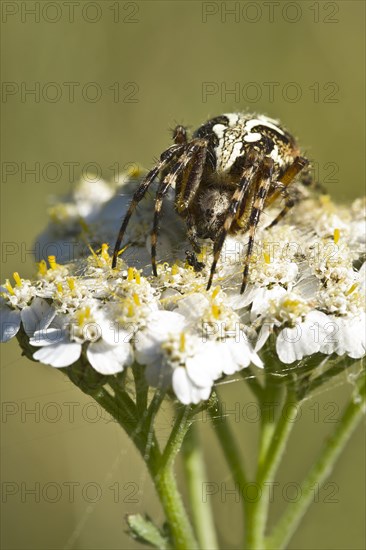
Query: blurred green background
<point>110,78</point>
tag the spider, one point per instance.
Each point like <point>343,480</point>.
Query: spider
<point>234,166</point>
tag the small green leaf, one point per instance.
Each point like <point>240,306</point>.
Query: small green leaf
<point>143,530</point>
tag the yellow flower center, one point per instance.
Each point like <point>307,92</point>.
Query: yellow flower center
<point>17,279</point>
<point>215,311</point>
<point>8,287</point>
<point>104,253</point>
<point>267,257</point>
<point>52,262</point>
<point>351,289</point>
<point>71,283</point>
<point>182,342</point>
<point>215,292</point>
<point>336,235</point>
<point>42,267</point>
<point>82,315</point>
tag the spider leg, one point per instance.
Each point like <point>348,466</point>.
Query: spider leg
<point>185,197</point>
<point>298,165</point>
<point>189,185</point>
<point>290,203</point>
<point>169,180</point>
<point>180,134</point>
<point>192,237</point>
<point>249,172</point>
<point>140,192</point>
<point>287,177</point>
<point>258,203</point>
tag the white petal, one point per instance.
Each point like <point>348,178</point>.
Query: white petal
<point>354,335</point>
<point>108,359</point>
<point>159,325</point>
<point>294,343</point>
<point>263,296</point>
<point>49,337</point>
<point>243,354</point>
<point>37,316</point>
<point>193,306</point>
<point>227,357</point>
<point>59,355</point>
<point>112,333</point>
<point>264,334</point>
<point>185,389</point>
<point>345,336</point>
<point>10,323</point>
<point>147,349</point>
<point>205,366</point>
<point>182,385</point>
<point>235,300</point>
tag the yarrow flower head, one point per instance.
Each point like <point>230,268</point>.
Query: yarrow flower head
<point>305,295</point>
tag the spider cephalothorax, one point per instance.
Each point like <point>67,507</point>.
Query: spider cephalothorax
<point>233,167</point>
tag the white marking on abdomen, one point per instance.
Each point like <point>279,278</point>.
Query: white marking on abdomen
<point>262,122</point>
<point>249,138</point>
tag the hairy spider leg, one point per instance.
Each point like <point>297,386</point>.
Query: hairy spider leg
<point>180,134</point>
<point>249,172</point>
<point>140,192</point>
<point>259,199</point>
<point>286,179</point>
<point>189,186</point>
<point>169,181</point>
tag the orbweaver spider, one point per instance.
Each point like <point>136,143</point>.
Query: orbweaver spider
<point>234,166</point>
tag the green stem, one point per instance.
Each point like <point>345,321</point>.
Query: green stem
<point>319,472</point>
<point>195,471</point>
<point>160,466</point>
<point>176,515</point>
<point>271,399</point>
<point>228,444</point>
<point>141,386</point>
<point>229,448</point>
<point>273,443</point>
<point>252,381</point>
<point>181,426</point>
<point>166,485</point>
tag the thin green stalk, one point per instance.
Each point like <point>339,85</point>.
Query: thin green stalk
<point>229,448</point>
<point>141,386</point>
<point>228,444</point>
<point>319,472</point>
<point>181,426</point>
<point>270,399</point>
<point>257,511</point>
<point>175,512</point>
<point>252,382</point>
<point>166,485</point>
<point>195,473</point>
<point>160,467</point>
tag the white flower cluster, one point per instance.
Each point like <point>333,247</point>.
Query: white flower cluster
<point>306,293</point>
